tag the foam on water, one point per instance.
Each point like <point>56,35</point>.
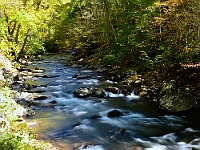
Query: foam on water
<point>91,147</point>
<point>115,95</point>
<point>190,130</point>
<point>143,125</point>
<point>87,71</point>
<point>84,126</point>
<point>109,81</point>
<point>133,115</point>
<point>80,113</point>
<point>168,142</point>
<point>90,82</point>
<point>117,122</point>
<point>133,96</point>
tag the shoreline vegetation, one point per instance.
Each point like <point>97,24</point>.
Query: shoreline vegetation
<point>155,42</point>
<point>14,133</point>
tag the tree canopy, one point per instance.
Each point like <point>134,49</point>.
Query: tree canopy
<point>137,34</point>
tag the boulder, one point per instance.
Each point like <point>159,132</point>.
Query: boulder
<point>173,99</point>
<point>101,70</point>
<point>38,104</point>
<point>50,76</point>
<point>82,92</point>
<point>40,97</point>
<point>36,91</point>
<point>114,90</point>
<point>89,91</point>
<point>126,91</point>
<point>114,113</point>
<point>80,76</point>
<point>53,102</point>
<point>96,92</point>
<point>30,111</point>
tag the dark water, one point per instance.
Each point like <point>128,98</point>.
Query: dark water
<point>69,123</point>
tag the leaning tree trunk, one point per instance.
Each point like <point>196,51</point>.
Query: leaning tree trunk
<point>21,53</point>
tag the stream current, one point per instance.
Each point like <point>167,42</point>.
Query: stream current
<point>72,123</point>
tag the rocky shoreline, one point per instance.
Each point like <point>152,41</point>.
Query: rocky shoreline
<point>169,94</point>
<point>165,93</point>
<point>9,77</point>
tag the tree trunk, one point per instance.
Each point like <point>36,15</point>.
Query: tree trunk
<point>13,29</point>
<point>38,5</point>
<point>0,13</point>
<point>23,46</point>
<point>7,20</point>
<point>109,20</point>
<point>17,34</point>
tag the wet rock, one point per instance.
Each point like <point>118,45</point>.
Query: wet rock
<point>20,111</point>
<point>142,93</point>
<point>30,111</point>
<point>42,104</point>
<point>25,109</point>
<point>138,81</point>
<point>75,66</point>
<point>21,96</point>
<point>114,90</point>
<point>135,79</point>
<point>98,93</point>
<point>95,117</point>
<point>89,91</point>
<point>82,92</point>
<point>53,102</point>
<point>80,76</point>
<point>116,78</point>
<point>40,97</point>
<point>126,91</point>
<point>36,91</point>
<point>26,86</point>
<point>102,79</point>
<point>101,70</point>
<point>52,76</point>
<point>119,132</point>
<point>88,145</point>
<point>25,103</point>
<point>29,96</point>
<point>114,113</point>
<point>76,125</point>
<point>174,99</point>
<point>16,78</point>
<point>127,82</point>
<point>43,85</point>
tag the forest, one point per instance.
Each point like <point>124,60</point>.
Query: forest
<point>137,35</point>
<point>150,37</point>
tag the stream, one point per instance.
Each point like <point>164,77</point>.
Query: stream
<point>82,123</point>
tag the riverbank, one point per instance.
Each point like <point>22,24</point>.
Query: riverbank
<point>123,80</point>
<point>118,119</point>
<point>13,128</point>
<point>174,90</point>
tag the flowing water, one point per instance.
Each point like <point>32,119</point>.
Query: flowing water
<point>75,121</point>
